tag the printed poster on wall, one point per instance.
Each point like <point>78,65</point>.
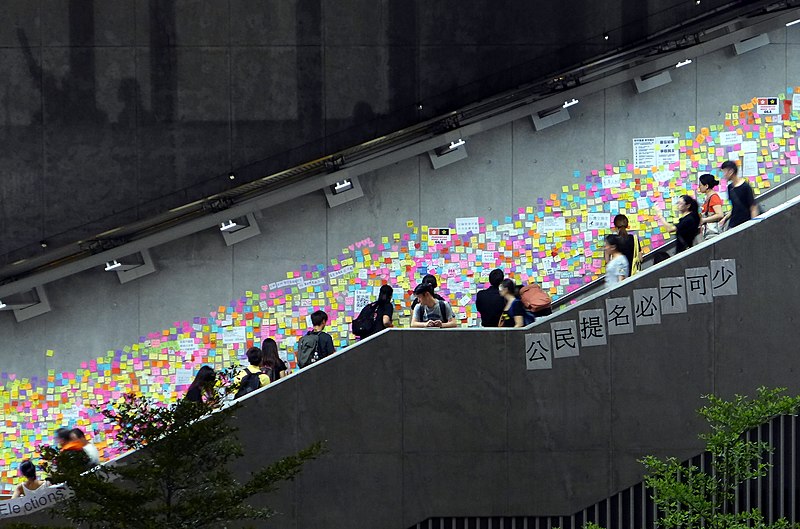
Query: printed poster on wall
<point>767,106</point>
<point>438,235</point>
<point>465,225</point>
<point>650,152</point>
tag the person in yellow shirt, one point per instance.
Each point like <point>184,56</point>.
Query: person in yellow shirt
<point>251,378</point>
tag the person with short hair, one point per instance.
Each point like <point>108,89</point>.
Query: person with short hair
<point>254,367</point>
<point>743,201</point>
<point>616,262</point>
<point>316,338</point>
<point>91,450</point>
<point>490,302</point>
<point>431,312</point>
<point>687,226</point>
<point>31,484</point>
<point>385,308</point>
<point>711,213</point>
<point>428,279</point>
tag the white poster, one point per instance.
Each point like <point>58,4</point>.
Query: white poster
<point>465,225</point>
<point>795,102</point>
<point>183,376</point>
<point>749,164</point>
<point>599,221</point>
<point>611,181</point>
<point>649,152</point>
<point>767,106</point>
<point>187,345</point>
<point>644,152</point>
<point>749,146</point>
<point>233,335</point>
<point>667,150</point>
<point>552,224</point>
<point>730,138</point>
<point>663,176</point>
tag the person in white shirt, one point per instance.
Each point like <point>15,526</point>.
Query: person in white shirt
<point>617,264</point>
<point>91,450</point>
<point>31,485</point>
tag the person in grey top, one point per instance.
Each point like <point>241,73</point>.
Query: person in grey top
<point>431,312</point>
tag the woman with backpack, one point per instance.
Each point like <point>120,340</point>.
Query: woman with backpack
<point>376,316</point>
<point>514,313</point>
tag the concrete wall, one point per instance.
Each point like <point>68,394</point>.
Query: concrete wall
<point>461,428</point>
<point>451,423</point>
<point>508,167</point>
<point>113,110</point>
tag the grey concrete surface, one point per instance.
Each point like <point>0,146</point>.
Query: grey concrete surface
<point>450,423</point>
<point>507,168</point>
<point>132,107</point>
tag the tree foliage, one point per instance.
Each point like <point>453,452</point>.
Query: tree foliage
<point>687,497</point>
<point>178,478</point>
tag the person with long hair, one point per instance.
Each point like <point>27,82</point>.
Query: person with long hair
<point>711,213</point>
<point>27,470</point>
<point>616,263</point>
<point>202,386</point>
<point>688,224</point>
<point>271,363</point>
<point>627,244</point>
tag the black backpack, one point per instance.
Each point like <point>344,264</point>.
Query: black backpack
<point>367,322</point>
<point>250,382</point>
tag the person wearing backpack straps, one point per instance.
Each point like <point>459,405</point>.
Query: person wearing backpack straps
<point>431,312</point>
<point>376,316</point>
<point>316,344</point>
<point>251,378</point>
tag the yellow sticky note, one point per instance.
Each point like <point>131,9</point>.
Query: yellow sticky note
<point>50,352</point>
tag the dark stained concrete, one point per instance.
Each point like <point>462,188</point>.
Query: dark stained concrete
<point>113,110</point>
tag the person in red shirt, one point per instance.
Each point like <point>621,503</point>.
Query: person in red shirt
<point>712,207</point>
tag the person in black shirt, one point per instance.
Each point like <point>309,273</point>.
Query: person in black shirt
<point>203,385</point>
<point>489,302</point>
<point>271,363</point>
<point>319,319</point>
<point>688,225</point>
<point>627,242</point>
<point>385,309</point>
<point>743,201</point>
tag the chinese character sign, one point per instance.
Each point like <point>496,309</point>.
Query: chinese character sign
<point>592,327</point>
<point>672,294</point>
<point>723,277</point>
<point>538,353</point>
<point>698,285</point>
<point>564,338</point>
<point>620,316</point>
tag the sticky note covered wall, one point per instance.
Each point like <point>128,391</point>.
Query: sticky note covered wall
<point>556,242</point>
